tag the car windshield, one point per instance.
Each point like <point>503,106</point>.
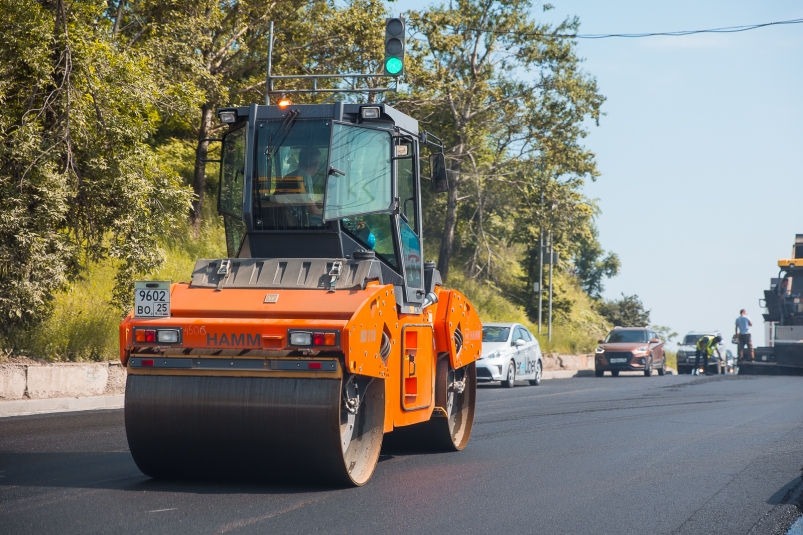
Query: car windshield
<point>626,336</point>
<point>291,161</point>
<point>691,339</point>
<point>495,334</point>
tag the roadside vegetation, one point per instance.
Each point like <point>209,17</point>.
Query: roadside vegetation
<point>107,106</point>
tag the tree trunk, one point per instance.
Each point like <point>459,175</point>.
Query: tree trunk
<point>449,225</point>
<point>199,177</point>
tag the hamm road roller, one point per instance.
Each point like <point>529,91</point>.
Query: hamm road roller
<point>323,330</point>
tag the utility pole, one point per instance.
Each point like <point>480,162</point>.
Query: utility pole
<point>540,263</point>
<point>551,261</point>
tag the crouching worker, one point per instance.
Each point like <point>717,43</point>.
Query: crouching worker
<point>706,346</point>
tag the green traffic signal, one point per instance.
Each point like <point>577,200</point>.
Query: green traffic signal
<point>393,65</point>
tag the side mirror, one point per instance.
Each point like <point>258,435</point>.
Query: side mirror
<point>600,341</point>
<point>520,342</point>
<point>654,341</point>
<point>437,164</point>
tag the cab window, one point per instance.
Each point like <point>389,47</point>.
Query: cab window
<point>406,182</point>
<point>411,252</point>
<point>374,233</point>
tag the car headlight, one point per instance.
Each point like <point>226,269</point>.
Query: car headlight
<point>599,351</point>
<point>642,349</point>
<point>493,354</point>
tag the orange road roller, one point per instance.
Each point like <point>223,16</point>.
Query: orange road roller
<point>323,330</point>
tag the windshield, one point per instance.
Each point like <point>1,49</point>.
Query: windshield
<point>691,339</point>
<point>495,334</point>
<point>616,337</point>
<point>291,158</point>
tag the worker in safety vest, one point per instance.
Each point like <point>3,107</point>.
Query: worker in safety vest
<point>706,345</point>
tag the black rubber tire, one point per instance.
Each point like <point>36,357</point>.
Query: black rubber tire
<point>648,368</point>
<point>662,369</point>
<point>599,373</point>
<point>510,381</point>
<point>441,433</point>
<point>615,373</point>
<point>537,380</point>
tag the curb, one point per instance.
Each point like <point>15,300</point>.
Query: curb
<point>25,407</point>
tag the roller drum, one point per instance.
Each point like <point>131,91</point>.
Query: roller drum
<point>257,428</point>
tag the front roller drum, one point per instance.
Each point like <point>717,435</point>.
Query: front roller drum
<point>256,428</point>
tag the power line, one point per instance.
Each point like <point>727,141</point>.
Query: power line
<point>726,29</point>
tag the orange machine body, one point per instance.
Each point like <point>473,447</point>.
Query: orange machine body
<point>243,324</point>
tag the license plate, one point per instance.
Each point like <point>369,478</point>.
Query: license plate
<point>618,360</point>
<point>151,299</point>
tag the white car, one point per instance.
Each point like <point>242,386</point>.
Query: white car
<point>509,353</point>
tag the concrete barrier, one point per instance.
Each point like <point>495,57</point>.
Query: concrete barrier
<point>69,380</point>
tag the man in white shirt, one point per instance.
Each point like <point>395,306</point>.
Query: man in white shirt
<point>743,324</point>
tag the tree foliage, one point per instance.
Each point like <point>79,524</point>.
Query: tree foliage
<point>78,180</point>
<point>592,264</point>
<point>107,106</point>
<point>625,312</point>
<point>509,99</point>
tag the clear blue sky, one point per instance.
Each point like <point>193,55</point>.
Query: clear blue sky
<point>700,151</point>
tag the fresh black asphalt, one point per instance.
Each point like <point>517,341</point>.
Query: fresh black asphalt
<point>687,455</point>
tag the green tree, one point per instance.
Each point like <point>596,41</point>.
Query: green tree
<point>507,95</point>
<point>78,180</point>
<point>592,265</point>
<point>625,312</point>
<point>666,334</point>
<point>220,49</point>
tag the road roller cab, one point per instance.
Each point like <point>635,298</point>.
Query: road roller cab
<point>323,329</point>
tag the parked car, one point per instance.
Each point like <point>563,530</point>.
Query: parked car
<point>509,354</point>
<point>630,349</point>
<point>687,351</point>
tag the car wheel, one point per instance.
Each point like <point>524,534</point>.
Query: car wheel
<point>662,369</point>
<point>615,373</point>
<point>511,376</point>
<point>648,368</point>
<point>599,373</point>
<point>537,380</point>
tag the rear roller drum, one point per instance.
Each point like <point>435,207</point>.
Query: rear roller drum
<point>449,428</point>
<point>264,429</point>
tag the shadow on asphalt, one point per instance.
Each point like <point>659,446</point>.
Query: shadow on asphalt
<point>117,471</point>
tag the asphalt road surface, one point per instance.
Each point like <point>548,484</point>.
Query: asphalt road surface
<point>702,455</point>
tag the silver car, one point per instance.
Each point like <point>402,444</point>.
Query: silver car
<point>509,353</point>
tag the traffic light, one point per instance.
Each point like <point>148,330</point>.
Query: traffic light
<point>394,46</point>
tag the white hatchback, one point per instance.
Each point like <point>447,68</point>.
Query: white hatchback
<point>509,353</point>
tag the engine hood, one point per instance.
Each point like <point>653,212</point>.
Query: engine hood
<point>490,347</point>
